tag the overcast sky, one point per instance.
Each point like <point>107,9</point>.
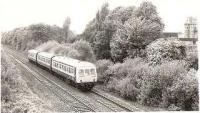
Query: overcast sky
<point>17,13</point>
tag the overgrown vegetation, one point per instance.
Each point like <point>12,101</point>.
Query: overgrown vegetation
<point>124,31</point>
<point>133,60</point>
<point>171,84</point>
<point>16,97</point>
<point>29,37</point>
<point>102,67</point>
<point>163,50</point>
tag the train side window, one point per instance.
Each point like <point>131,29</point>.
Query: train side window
<point>81,72</point>
<point>68,69</point>
<point>92,71</point>
<point>72,70</point>
<point>64,68</point>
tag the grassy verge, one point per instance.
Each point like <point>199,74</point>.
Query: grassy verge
<point>15,94</point>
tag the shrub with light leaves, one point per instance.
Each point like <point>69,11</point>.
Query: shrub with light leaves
<point>165,49</point>
<point>102,66</point>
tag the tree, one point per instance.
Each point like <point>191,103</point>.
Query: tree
<point>66,26</point>
<point>82,51</point>
<point>118,45</point>
<point>96,35</point>
<point>142,28</point>
<point>29,37</point>
<point>162,50</point>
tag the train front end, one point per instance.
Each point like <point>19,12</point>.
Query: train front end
<point>86,76</point>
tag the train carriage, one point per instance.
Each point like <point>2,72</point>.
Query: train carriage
<point>76,70</point>
<point>82,73</point>
<point>44,59</point>
<point>32,55</point>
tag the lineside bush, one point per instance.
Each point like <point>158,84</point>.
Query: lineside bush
<point>172,84</point>
<point>165,49</point>
<point>102,66</point>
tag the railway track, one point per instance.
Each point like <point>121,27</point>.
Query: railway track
<point>86,106</point>
<point>121,105</point>
<point>77,108</point>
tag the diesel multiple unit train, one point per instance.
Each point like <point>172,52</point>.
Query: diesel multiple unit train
<point>83,74</point>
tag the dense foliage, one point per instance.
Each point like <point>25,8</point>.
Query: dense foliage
<point>171,85</point>
<point>16,96</point>
<point>133,60</point>
<point>29,37</point>
<point>102,67</point>
<point>124,31</point>
<point>137,32</point>
<point>163,50</point>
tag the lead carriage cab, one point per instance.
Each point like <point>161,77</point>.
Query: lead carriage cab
<point>82,73</point>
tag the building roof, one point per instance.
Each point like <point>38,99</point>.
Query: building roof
<point>45,54</point>
<point>189,39</point>
<point>170,34</point>
<point>33,51</point>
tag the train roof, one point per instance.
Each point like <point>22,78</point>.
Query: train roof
<point>33,51</point>
<point>45,54</point>
<point>73,62</point>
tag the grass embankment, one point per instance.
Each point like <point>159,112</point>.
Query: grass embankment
<point>16,96</point>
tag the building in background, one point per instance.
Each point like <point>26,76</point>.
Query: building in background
<point>191,28</point>
<point>170,34</point>
<point>190,35</point>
